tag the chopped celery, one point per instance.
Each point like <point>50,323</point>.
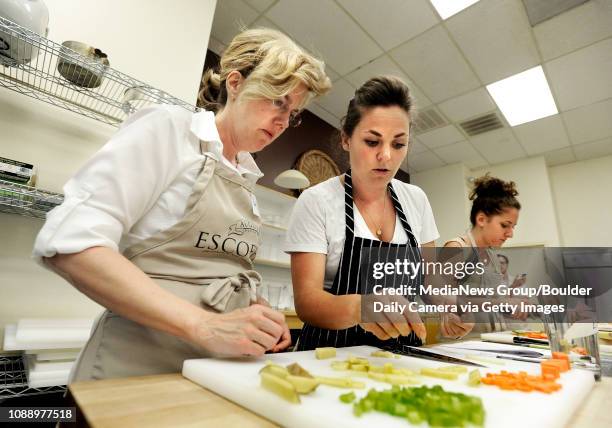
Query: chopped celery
<point>434,405</point>
<point>349,397</point>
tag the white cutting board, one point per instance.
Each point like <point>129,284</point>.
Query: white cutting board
<point>238,380</point>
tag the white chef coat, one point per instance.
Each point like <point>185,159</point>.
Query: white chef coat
<point>317,222</point>
<point>137,184</point>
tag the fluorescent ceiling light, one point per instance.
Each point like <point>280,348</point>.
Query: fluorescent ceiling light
<point>447,8</point>
<point>524,97</point>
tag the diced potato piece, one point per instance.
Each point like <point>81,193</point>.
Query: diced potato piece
<point>340,382</point>
<point>324,353</point>
<point>296,370</point>
<point>439,374</point>
<point>358,360</point>
<point>339,365</point>
<point>474,378</point>
<point>388,368</point>
<point>275,370</point>
<point>376,369</point>
<point>382,354</point>
<point>303,385</point>
<point>359,367</point>
<point>377,376</point>
<point>393,379</point>
<point>454,369</point>
<point>404,372</point>
<point>280,387</point>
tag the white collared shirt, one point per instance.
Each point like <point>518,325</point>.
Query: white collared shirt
<point>318,224</point>
<point>137,184</point>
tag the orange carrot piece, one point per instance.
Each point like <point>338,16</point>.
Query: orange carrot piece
<point>562,364</point>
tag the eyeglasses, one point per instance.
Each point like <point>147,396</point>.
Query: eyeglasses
<point>295,118</point>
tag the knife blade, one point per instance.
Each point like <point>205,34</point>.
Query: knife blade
<point>528,340</point>
<point>517,353</point>
<point>412,351</point>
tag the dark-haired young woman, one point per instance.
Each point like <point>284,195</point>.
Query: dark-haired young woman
<point>335,222</point>
<point>494,215</point>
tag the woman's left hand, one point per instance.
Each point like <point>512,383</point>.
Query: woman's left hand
<point>285,339</point>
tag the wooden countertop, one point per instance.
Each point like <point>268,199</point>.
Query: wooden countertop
<point>173,401</point>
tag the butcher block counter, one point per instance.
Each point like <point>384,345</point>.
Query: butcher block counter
<point>173,401</point>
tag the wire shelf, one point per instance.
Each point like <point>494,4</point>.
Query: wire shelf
<point>29,65</point>
<point>14,380</point>
<point>25,200</point>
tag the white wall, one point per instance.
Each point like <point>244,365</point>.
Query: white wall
<point>537,222</point>
<point>448,195</point>
<point>160,42</point>
<point>154,41</point>
<point>566,205</point>
<point>583,201</point>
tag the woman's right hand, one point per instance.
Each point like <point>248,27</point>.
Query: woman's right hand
<point>247,331</point>
<point>389,325</point>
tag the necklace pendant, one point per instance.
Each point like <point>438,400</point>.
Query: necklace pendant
<point>379,233</point>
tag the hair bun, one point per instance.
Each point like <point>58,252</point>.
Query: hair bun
<point>210,87</point>
<point>492,187</point>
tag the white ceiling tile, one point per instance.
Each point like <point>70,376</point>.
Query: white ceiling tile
<point>498,146</point>
<point>262,21</point>
<point>384,65</point>
<point>436,65</point>
<point>468,105</point>
<point>324,114</point>
<point>559,157</point>
<point>416,146</point>
<point>441,137</point>
<point>582,77</point>
<point>391,22</point>
<point>423,161</point>
<point>260,5</point>
<point>594,150</point>
<point>461,152</point>
<point>230,15</point>
<point>574,29</point>
<point>496,39</point>
<point>336,101</point>
<point>333,75</point>
<point>589,123</point>
<point>542,135</point>
<point>265,22</point>
<point>327,29</point>
<point>216,46</point>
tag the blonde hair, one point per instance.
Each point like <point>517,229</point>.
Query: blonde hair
<point>272,65</point>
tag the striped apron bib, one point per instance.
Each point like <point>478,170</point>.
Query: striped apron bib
<point>347,280</point>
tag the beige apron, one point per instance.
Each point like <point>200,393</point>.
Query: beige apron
<point>491,277</point>
<point>205,258</point>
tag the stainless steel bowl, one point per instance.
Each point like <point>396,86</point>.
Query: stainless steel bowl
<point>82,64</point>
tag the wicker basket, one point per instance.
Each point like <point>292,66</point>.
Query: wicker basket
<point>317,166</point>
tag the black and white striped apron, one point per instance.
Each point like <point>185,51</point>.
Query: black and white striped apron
<point>347,280</point>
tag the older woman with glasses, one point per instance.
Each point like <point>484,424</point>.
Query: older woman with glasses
<point>161,226</point>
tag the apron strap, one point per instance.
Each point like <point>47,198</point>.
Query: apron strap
<point>400,213</point>
<point>349,214</point>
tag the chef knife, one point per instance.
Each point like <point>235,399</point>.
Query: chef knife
<point>517,353</point>
<point>412,351</point>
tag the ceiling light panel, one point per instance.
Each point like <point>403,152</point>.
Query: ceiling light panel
<point>524,97</point>
<point>447,8</point>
